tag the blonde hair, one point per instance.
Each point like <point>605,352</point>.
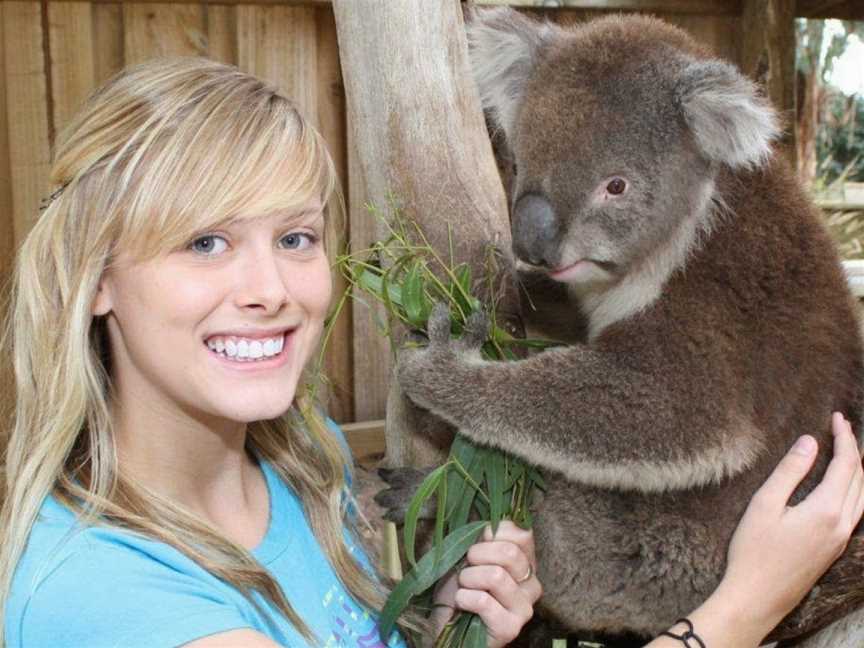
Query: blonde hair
<point>163,151</point>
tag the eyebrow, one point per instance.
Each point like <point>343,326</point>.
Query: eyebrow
<point>293,217</point>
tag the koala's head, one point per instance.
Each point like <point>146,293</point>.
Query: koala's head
<point>616,128</point>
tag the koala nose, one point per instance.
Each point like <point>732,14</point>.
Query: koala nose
<point>535,230</point>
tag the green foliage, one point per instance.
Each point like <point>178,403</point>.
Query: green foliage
<point>477,485</point>
<point>840,141</point>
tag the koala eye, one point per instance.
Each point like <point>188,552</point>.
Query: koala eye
<point>616,186</point>
<point>514,168</point>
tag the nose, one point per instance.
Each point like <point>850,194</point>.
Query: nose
<point>261,284</point>
<point>535,231</point>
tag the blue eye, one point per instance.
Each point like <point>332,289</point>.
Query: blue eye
<point>297,241</point>
<point>208,245</point>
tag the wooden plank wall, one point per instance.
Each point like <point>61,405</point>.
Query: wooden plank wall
<point>54,53</point>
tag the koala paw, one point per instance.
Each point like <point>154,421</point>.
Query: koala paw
<point>475,333</point>
<point>403,483</point>
<point>432,376</point>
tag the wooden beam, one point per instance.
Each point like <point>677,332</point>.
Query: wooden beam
<point>366,439</point>
<point>27,106</point>
<point>338,364</point>
<point>7,247</point>
<point>70,28</point>
<point>705,7</point>
<point>316,3</point>
<point>768,57</point>
<point>841,9</point>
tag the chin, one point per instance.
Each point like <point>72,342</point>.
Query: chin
<point>249,412</point>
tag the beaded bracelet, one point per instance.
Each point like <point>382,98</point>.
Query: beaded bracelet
<point>685,636</point>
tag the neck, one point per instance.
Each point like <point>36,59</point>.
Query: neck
<point>198,463</point>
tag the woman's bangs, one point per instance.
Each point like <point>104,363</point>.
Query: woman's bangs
<point>197,182</point>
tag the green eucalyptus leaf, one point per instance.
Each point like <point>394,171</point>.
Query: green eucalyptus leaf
<point>515,472</point>
<point>475,635</point>
<point>461,628</point>
<point>427,572</point>
<point>373,283</point>
<point>414,297</point>
<point>536,477</point>
<point>496,476</point>
<point>463,452</point>
<point>439,515</point>
<point>426,489</point>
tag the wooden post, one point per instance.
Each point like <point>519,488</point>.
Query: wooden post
<point>420,141</point>
<point>768,56</point>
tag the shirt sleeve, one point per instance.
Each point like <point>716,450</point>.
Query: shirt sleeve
<point>110,597</point>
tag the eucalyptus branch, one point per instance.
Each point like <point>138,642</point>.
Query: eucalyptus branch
<point>478,485</point>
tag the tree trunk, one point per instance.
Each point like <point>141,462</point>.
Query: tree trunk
<point>422,144</point>
<point>848,632</point>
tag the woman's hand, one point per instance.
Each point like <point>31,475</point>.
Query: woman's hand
<point>498,583</point>
<point>778,551</point>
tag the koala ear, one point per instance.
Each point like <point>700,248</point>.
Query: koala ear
<point>503,45</point>
<point>732,123</point>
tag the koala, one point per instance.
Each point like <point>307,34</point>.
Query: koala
<point>659,232</point>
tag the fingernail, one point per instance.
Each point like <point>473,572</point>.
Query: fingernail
<point>805,445</point>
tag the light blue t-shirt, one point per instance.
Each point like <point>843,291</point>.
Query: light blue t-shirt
<point>104,586</point>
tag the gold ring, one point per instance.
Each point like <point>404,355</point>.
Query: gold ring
<point>527,575</point>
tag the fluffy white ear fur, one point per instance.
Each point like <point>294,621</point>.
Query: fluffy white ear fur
<point>503,45</point>
<point>732,123</point>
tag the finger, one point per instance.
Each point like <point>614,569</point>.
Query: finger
<point>843,465</point>
<point>502,626</point>
<point>499,583</point>
<point>855,494</point>
<point>439,324</point>
<point>858,511</point>
<point>850,503</point>
<point>793,467</point>
<point>523,538</point>
<point>503,554</point>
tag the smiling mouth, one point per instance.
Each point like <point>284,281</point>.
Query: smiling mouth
<point>249,350</point>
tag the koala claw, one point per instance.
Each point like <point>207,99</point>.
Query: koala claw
<point>403,483</point>
<point>476,330</point>
<point>439,324</point>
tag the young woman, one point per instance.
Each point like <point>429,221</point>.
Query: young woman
<point>168,481</point>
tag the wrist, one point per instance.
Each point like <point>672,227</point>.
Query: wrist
<point>728,619</point>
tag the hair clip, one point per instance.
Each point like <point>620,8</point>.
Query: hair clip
<point>46,202</point>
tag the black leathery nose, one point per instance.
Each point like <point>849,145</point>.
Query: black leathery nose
<point>535,230</point>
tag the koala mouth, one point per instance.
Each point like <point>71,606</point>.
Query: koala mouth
<point>582,270</point>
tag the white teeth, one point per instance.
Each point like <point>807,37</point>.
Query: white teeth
<point>256,349</point>
<point>247,350</point>
<point>242,349</point>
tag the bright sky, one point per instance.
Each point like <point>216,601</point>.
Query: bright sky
<point>848,72</point>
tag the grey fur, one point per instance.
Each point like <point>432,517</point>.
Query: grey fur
<point>730,121</point>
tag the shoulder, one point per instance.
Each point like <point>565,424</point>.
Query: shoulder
<point>100,586</point>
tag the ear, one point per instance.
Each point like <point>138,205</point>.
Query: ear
<point>103,302</point>
<point>503,45</point>
<point>732,123</point>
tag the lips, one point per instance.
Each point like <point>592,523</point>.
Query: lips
<point>565,272</point>
<point>250,347</point>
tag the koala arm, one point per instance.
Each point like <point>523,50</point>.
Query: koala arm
<point>599,418</point>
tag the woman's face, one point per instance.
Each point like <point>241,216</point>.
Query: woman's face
<point>223,327</point>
